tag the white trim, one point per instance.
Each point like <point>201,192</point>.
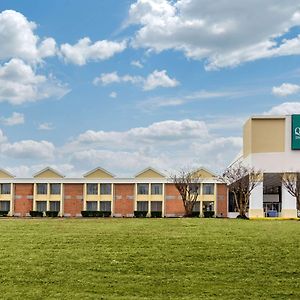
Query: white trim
<point>96,169</point>
<point>48,169</point>
<point>149,169</point>
<point>6,172</point>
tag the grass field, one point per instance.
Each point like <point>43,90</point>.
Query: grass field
<point>149,259</point>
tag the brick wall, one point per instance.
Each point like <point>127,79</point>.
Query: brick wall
<point>124,200</point>
<point>222,201</point>
<point>23,202</point>
<point>73,199</point>
<point>173,202</point>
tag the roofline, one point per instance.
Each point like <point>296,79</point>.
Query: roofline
<point>98,168</point>
<point>152,169</point>
<point>6,172</point>
<point>48,169</point>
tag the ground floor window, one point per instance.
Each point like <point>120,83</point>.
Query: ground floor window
<point>208,206</point>
<point>91,205</point>
<point>41,206</point>
<point>156,205</point>
<point>55,205</point>
<point>142,205</point>
<point>196,207</point>
<point>5,205</point>
<point>105,206</point>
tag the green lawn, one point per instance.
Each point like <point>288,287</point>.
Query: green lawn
<point>149,259</point>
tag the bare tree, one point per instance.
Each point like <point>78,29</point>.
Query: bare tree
<point>241,181</point>
<point>291,181</point>
<point>188,185</point>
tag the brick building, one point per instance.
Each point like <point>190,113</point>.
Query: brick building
<point>148,191</point>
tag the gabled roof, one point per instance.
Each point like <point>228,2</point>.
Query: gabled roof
<point>48,172</point>
<point>150,173</point>
<point>98,173</point>
<point>5,174</point>
<point>205,173</point>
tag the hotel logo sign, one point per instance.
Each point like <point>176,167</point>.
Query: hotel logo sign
<point>295,132</point>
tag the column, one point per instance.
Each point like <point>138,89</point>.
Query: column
<point>289,204</point>
<point>164,200</point>
<point>256,209</point>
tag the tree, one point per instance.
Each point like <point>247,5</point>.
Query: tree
<point>188,185</point>
<point>291,181</point>
<point>241,181</point>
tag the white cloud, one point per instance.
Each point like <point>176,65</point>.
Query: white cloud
<point>224,35</point>
<point>113,95</point>
<point>137,63</point>
<point>17,39</point>
<point>152,81</point>
<point>158,102</point>
<point>15,119</point>
<point>46,126</point>
<point>19,83</point>
<point>286,108</point>
<point>28,149</point>
<point>285,89</point>
<point>159,79</point>
<point>84,51</point>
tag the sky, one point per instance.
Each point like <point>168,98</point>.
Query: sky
<point>129,84</point>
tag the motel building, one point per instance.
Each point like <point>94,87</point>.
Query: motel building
<point>148,193</point>
<point>271,144</point>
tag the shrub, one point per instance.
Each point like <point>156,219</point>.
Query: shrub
<point>156,214</point>
<point>208,214</point>
<point>140,214</point>
<point>105,214</point>
<point>195,214</point>
<point>3,213</point>
<point>52,214</point>
<point>95,214</point>
<point>35,214</point>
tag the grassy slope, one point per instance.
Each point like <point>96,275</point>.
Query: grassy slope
<point>149,258</point>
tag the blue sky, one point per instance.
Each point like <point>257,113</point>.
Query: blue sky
<point>128,84</point>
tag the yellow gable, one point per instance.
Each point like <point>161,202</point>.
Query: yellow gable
<point>48,174</point>
<point>149,174</point>
<point>99,174</point>
<point>204,174</point>
<point>3,174</point>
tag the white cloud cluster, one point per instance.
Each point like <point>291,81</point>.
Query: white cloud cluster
<point>46,126</point>
<point>84,51</point>
<point>19,83</point>
<point>286,89</point>
<point>225,35</point>
<point>152,81</point>
<point>286,108</point>
<point>17,39</point>
<point>26,149</point>
<point>15,119</point>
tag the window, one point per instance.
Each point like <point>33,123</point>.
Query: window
<point>208,206</point>
<point>55,188</point>
<point>92,189</point>
<point>41,206</point>
<point>156,189</point>
<point>143,189</point>
<point>54,205</point>
<point>208,189</point>
<point>196,207</point>
<point>195,188</point>
<point>41,188</point>
<point>142,206</point>
<point>5,205</point>
<point>105,188</point>
<point>91,205</point>
<point>156,205</point>
<point>105,206</point>
<point>5,188</point>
